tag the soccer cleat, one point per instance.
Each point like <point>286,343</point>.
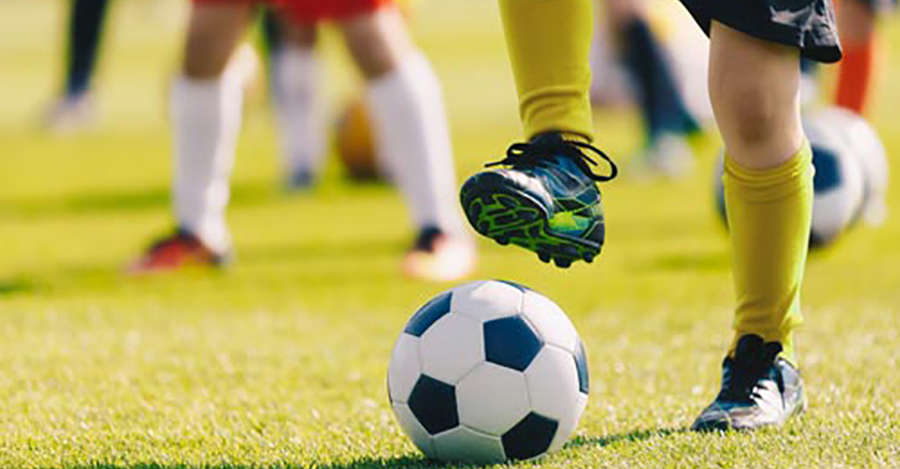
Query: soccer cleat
<point>435,256</point>
<point>759,389</point>
<point>175,251</point>
<point>545,200</point>
<point>70,114</point>
<point>301,180</point>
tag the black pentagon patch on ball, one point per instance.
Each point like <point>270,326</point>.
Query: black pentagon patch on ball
<point>427,315</point>
<point>515,285</point>
<point>828,170</point>
<point>511,342</point>
<point>530,438</point>
<point>434,405</point>
<point>584,379</point>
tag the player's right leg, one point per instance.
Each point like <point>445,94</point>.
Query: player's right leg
<point>546,199</point>
<point>205,104</point>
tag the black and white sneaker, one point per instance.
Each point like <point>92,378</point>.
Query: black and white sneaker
<point>759,389</point>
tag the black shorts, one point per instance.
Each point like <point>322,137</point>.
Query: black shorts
<point>806,24</point>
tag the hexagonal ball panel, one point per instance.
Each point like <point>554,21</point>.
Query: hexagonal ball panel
<point>530,438</point>
<point>434,405</point>
<point>429,314</point>
<point>413,429</point>
<point>468,446</point>
<point>492,399</point>
<point>550,321</point>
<point>452,347</point>
<point>553,388</point>
<point>404,369</point>
<point>488,300</point>
<point>511,342</point>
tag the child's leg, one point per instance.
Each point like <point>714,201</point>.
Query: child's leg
<point>206,116</point>
<point>856,22</point>
<point>408,118</point>
<point>296,97</point>
<point>754,87</point>
<point>85,32</point>
<point>549,47</point>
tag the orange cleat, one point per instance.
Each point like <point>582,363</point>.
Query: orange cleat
<point>176,251</point>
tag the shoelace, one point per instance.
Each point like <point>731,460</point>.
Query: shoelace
<point>745,376</point>
<point>530,154</point>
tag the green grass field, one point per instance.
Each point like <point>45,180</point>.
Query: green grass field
<point>281,360</point>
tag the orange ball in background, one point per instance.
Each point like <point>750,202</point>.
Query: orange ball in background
<point>354,143</point>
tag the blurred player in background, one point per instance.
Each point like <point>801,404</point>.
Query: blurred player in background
<point>668,124</point>
<point>73,110</point>
<point>545,197</point>
<point>404,99</point>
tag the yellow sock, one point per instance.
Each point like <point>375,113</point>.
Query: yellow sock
<point>769,216</point>
<point>549,46</point>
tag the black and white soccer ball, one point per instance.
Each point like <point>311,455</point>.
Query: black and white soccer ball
<point>839,183</point>
<point>488,372</point>
<point>858,134</point>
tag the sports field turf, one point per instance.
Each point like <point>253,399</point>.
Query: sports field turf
<point>281,360</point>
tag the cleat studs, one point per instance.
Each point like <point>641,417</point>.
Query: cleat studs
<point>589,258</point>
<point>562,263</point>
<point>502,241</point>
<point>544,257</point>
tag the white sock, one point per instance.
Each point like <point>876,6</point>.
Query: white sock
<point>298,108</point>
<point>206,120</point>
<point>413,139</point>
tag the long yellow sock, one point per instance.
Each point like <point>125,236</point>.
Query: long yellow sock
<point>549,46</point>
<point>769,216</point>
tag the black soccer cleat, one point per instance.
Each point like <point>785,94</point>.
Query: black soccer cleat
<point>545,200</point>
<point>759,389</point>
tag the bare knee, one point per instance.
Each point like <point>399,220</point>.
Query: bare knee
<point>213,34</point>
<point>378,42</point>
<point>754,88</point>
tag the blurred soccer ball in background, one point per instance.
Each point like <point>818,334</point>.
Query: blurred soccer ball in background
<point>355,145</point>
<point>487,372</point>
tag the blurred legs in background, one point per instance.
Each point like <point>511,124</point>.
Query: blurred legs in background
<point>73,110</point>
<point>205,103</point>
<point>857,25</point>
<point>667,122</point>
<point>408,118</point>
<point>296,97</point>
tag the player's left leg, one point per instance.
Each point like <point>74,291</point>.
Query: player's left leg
<point>755,92</point>
<point>73,110</point>
<point>412,135</point>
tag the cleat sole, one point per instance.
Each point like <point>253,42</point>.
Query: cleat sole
<point>509,216</point>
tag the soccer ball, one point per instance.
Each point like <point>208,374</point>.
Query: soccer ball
<point>355,144</point>
<point>487,372</point>
<point>839,184</point>
<point>870,153</point>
